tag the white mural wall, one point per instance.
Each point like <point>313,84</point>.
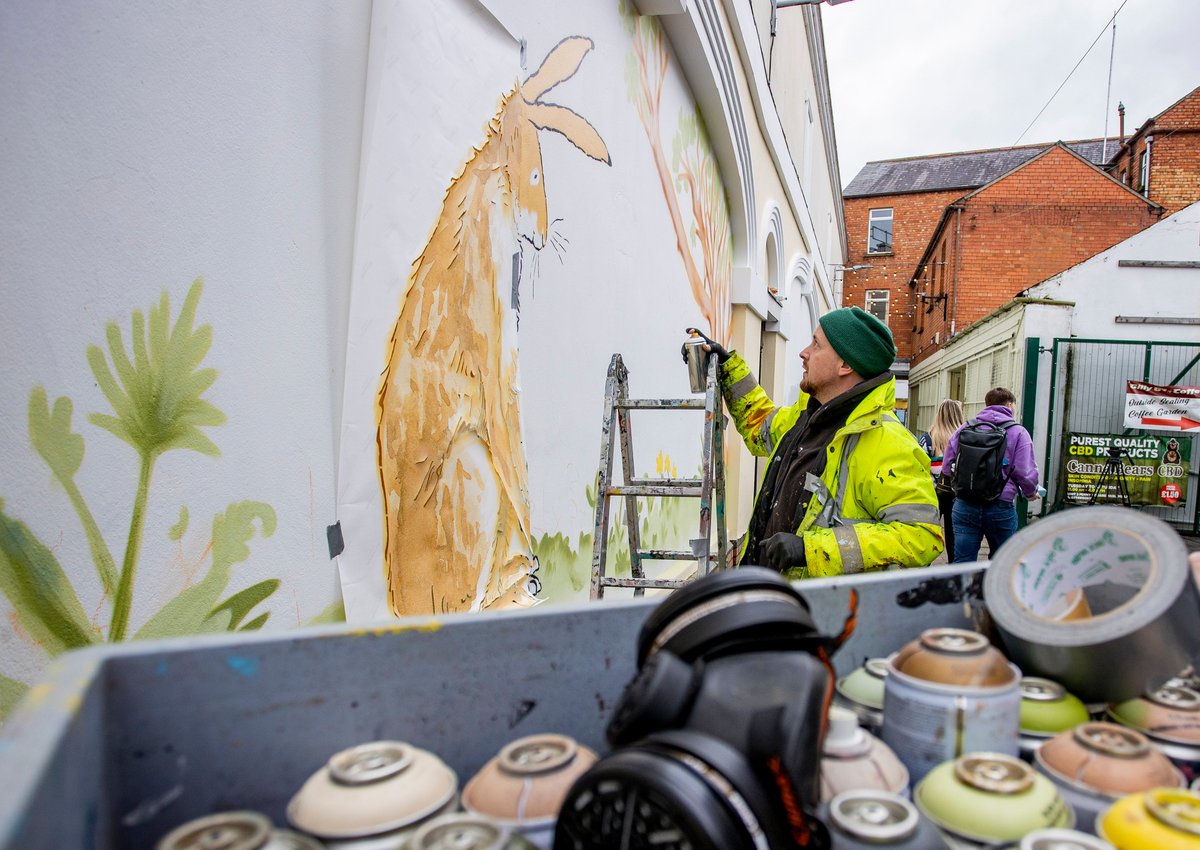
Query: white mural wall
<point>147,147</point>
<point>214,219</point>
<point>612,277</point>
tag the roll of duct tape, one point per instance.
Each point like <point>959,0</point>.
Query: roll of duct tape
<point>1144,605</point>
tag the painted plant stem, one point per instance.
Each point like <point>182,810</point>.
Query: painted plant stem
<point>106,567</point>
<point>123,603</point>
<point>62,449</point>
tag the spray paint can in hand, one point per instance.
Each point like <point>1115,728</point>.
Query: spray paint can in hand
<point>697,364</point>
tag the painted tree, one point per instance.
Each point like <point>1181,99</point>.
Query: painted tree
<point>691,183</point>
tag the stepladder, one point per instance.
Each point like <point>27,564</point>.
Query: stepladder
<point>709,488</point>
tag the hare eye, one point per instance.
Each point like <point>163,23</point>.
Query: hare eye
<point>534,177</point>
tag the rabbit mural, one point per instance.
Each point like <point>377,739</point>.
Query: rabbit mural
<point>451,460</point>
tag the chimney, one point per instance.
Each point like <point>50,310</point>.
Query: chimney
<point>1120,122</point>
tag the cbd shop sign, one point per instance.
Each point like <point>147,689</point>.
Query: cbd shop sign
<point>1152,468</point>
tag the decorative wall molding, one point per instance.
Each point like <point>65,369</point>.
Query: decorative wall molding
<point>699,42</point>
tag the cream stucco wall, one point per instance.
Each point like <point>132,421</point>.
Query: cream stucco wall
<point>793,196</point>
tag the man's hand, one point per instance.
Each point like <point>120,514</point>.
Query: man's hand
<point>783,550</point>
<point>709,345</point>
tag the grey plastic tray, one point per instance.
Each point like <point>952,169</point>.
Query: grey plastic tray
<point>120,744</point>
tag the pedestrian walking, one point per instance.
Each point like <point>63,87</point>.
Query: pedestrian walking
<point>991,460</point>
<point>947,420</point>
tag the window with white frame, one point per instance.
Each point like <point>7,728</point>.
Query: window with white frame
<point>1145,170</point>
<point>877,303</point>
<point>879,231</point>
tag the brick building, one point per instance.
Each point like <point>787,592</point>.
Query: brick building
<point>892,209</point>
<point>1033,211</point>
<point>1162,159</point>
<point>1042,217</point>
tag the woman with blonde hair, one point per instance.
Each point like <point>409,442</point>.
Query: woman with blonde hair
<point>947,420</point>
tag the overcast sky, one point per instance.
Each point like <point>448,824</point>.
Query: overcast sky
<point>915,77</point>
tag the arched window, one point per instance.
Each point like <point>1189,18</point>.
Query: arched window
<point>772,251</point>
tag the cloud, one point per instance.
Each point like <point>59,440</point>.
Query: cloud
<point>915,77</point>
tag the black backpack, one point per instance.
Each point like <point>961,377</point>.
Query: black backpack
<point>979,468</point>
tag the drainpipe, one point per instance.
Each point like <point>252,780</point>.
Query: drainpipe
<point>958,210</point>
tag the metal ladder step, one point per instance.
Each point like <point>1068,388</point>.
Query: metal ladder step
<point>644,583</point>
<point>709,488</point>
<point>670,555</point>
<point>660,404</point>
<point>695,490</point>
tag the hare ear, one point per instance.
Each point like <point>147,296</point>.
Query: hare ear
<point>560,64</point>
<point>573,126</point>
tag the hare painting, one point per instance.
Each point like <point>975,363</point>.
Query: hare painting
<point>451,461</point>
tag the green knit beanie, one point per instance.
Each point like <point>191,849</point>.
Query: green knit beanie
<point>864,342</point>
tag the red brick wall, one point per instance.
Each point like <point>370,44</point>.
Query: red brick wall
<point>914,216</point>
<point>1174,155</point>
<point>1043,218</point>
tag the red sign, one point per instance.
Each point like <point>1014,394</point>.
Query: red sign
<point>1170,493</point>
<point>1161,408</point>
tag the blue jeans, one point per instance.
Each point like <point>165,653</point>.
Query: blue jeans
<point>997,521</point>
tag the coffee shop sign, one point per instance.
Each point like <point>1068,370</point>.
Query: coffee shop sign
<point>1159,408</point>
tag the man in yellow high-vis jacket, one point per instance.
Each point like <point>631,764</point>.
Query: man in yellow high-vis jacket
<point>848,488</point>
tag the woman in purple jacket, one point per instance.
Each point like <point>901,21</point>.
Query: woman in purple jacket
<point>997,521</point>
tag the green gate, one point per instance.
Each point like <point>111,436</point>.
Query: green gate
<point>1087,396</point>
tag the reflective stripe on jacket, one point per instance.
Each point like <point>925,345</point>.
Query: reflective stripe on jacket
<point>874,504</point>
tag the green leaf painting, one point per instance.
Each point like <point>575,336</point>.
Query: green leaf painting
<point>11,693</point>
<point>663,522</point>
<point>241,603</point>
<point>52,438</point>
<point>153,378</point>
<point>41,595</point>
<point>334,613</point>
<point>195,610</point>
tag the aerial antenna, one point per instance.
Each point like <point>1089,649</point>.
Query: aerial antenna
<point>1064,82</point>
<point>1112,52</point>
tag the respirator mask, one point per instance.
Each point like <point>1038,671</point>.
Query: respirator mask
<point>717,739</point>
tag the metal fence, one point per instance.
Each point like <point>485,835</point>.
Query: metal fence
<point>1087,395</point>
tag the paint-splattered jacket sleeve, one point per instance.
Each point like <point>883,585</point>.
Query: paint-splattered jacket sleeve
<point>760,422</point>
<point>889,513</point>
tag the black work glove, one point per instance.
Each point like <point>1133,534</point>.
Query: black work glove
<point>783,550</point>
<point>709,345</point>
